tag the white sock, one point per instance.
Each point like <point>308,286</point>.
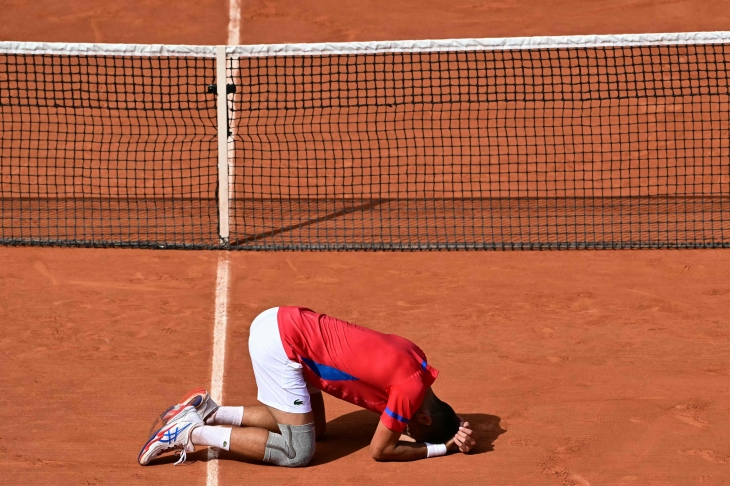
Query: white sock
<point>210,436</point>
<point>226,416</point>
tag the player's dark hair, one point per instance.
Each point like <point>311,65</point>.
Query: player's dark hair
<point>444,422</point>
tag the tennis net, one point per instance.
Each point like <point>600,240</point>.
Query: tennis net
<point>525,143</point>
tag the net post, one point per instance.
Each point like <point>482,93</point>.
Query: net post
<point>222,105</point>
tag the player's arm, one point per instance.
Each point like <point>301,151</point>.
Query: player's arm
<point>385,446</point>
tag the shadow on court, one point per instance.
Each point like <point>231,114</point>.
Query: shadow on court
<point>352,432</point>
<point>487,428</point>
<point>345,435</point>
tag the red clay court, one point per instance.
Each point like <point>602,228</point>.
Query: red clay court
<point>577,367</point>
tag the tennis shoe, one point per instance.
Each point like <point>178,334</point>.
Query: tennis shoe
<point>176,435</point>
<point>198,398</point>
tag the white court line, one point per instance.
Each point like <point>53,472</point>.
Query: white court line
<point>221,286</point>
<point>219,352</point>
<point>234,22</point>
<point>219,331</point>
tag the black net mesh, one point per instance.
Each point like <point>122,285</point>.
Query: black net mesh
<point>614,147</point>
<point>108,151</point>
<point>595,147</point>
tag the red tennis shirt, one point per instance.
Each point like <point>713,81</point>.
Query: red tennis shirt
<point>384,373</point>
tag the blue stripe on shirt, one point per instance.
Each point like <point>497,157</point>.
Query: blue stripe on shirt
<point>327,372</point>
<point>396,416</point>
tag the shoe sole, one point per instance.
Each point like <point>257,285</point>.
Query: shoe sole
<point>159,433</point>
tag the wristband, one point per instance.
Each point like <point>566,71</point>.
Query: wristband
<point>435,450</point>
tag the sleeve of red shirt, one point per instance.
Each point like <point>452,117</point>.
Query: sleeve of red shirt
<point>405,397</point>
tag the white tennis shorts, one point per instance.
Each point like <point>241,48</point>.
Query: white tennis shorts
<point>279,380</point>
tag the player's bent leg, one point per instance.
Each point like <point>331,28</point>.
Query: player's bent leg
<point>259,416</point>
<point>249,442</point>
<point>281,387</point>
<point>294,447</point>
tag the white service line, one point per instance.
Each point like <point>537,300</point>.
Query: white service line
<point>219,351</point>
<point>219,331</point>
<point>234,22</point>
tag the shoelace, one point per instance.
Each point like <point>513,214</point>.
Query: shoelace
<point>183,457</point>
<point>180,449</point>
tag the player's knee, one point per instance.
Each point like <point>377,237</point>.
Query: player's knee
<point>294,447</point>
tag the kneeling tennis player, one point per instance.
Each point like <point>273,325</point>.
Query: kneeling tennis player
<point>296,354</point>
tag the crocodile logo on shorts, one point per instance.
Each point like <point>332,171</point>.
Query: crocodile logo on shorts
<point>298,402</point>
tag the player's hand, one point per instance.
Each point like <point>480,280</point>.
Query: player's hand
<point>464,440</point>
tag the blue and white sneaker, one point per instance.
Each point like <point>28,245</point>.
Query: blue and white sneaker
<point>201,400</point>
<point>197,397</point>
<point>176,434</point>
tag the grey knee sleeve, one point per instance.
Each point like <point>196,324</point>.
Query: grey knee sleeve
<point>293,448</point>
